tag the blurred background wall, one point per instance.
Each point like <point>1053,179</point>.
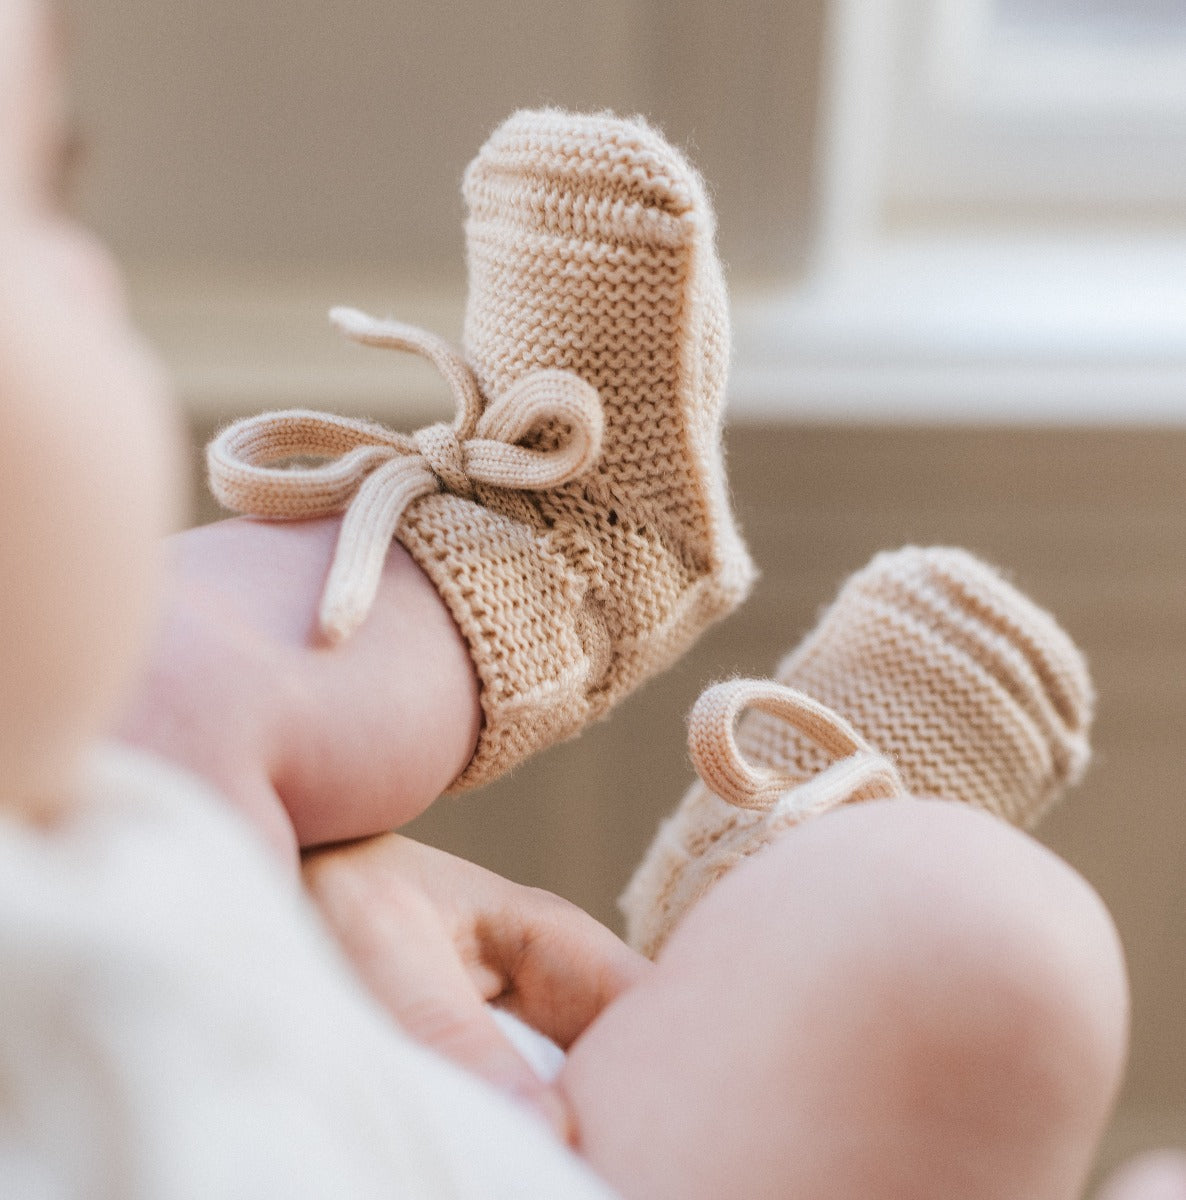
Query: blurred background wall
<point>362,117</point>
<point>255,161</point>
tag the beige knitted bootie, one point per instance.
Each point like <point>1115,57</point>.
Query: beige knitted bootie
<point>929,675</point>
<point>574,517</point>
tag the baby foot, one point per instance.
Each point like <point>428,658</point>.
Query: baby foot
<point>574,517</point>
<point>951,684</point>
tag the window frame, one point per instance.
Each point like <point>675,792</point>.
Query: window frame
<point>992,113</point>
<point>999,310</point>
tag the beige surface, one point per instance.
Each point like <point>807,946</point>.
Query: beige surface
<point>200,117</point>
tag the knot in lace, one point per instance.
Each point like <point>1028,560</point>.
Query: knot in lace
<point>857,771</point>
<point>441,450</point>
<point>374,473</point>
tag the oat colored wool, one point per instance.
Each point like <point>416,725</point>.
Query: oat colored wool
<point>574,517</point>
<point>929,675</point>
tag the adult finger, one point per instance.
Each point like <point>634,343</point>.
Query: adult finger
<point>408,959</point>
<point>561,967</point>
<point>544,958</point>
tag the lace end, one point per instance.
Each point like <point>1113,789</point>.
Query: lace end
<point>353,322</point>
<point>339,618</point>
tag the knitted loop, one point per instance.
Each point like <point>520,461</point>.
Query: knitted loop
<point>540,402</point>
<point>857,768</point>
<point>395,335</point>
<point>438,445</point>
<point>375,474</point>
<point>243,482</point>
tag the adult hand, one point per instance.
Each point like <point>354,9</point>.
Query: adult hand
<point>436,938</point>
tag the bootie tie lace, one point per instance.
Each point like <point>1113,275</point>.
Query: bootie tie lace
<point>742,804</point>
<point>373,473</point>
<point>855,771</point>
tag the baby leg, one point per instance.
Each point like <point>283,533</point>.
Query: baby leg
<point>900,998</point>
<point>310,745</point>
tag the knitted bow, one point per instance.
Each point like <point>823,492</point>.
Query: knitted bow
<point>857,772</point>
<point>375,473</point>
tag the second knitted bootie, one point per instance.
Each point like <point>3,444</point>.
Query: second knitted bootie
<point>575,517</point>
<point>929,675</point>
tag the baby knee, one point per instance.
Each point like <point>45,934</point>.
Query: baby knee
<point>1005,990</point>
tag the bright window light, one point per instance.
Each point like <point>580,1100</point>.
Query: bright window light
<point>1001,226</point>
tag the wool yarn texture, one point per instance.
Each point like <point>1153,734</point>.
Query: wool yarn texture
<point>929,675</point>
<point>575,518</point>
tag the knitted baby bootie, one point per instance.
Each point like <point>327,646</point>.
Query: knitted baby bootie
<point>929,675</point>
<point>574,517</point>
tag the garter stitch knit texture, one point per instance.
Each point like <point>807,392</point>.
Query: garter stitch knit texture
<point>927,657</point>
<point>590,255</point>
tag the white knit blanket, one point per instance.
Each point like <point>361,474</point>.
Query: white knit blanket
<point>174,1022</point>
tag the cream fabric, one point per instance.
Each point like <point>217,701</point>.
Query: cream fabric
<point>591,266</point>
<point>176,1024</point>
<point>927,657</point>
